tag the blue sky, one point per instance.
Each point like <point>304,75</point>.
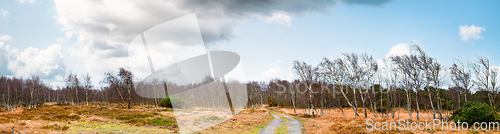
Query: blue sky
<point>267,48</point>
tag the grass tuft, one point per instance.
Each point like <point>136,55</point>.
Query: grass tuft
<point>55,127</point>
<point>161,122</point>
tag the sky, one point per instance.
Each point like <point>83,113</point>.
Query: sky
<point>54,38</point>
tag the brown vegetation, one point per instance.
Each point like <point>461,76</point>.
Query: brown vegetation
<point>56,118</point>
<point>247,121</point>
<point>333,122</point>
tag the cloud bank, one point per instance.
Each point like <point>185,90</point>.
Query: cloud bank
<point>46,63</point>
<point>398,50</point>
<point>107,25</point>
<point>104,28</point>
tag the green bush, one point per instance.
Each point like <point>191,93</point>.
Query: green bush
<point>161,122</point>
<point>167,102</point>
<point>475,112</point>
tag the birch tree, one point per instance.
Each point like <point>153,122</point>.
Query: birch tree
<point>402,63</point>
<point>436,76</point>
<point>425,66</point>
<point>485,76</point>
<point>370,69</point>
<point>335,73</point>
<point>355,75</point>
<point>461,76</point>
<point>88,86</point>
<point>308,74</point>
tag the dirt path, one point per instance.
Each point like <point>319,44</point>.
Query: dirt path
<point>271,127</point>
<point>294,127</point>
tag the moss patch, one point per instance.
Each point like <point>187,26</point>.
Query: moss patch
<point>161,122</point>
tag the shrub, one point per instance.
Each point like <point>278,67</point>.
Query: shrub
<point>161,122</point>
<point>475,112</point>
<point>55,127</point>
<point>168,110</point>
<point>271,101</point>
<point>167,102</point>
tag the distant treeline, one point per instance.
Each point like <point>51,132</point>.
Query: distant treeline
<point>412,81</point>
<point>30,92</point>
<point>119,89</point>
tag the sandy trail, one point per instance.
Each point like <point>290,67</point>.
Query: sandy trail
<point>272,126</point>
<point>294,126</point>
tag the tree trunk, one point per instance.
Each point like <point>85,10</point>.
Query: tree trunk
<point>86,96</point>
<point>440,110</point>
<point>432,106</point>
<point>293,101</point>
<point>341,108</point>
<point>408,101</point>
<point>349,102</point>
<point>363,101</point>
<point>310,99</point>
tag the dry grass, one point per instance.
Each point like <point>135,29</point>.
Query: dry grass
<point>54,118</point>
<point>248,121</point>
<point>333,122</point>
<point>87,119</point>
<point>349,113</point>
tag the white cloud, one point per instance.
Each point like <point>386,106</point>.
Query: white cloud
<point>280,18</point>
<point>5,37</point>
<point>47,63</point>
<point>111,24</point>
<point>4,13</point>
<point>29,1</point>
<point>104,28</point>
<point>400,49</point>
<point>271,73</point>
<point>470,32</point>
<point>386,65</point>
<point>284,73</point>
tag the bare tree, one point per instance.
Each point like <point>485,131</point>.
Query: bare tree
<point>35,80</point>
<point>126,78</point>
<point>436,71</point>
<point>425,66</point>
<point>356,74</point>
<point>494,88</point>
<point>406,68</point>
<point>113,82</point>
<point>308,74</point>
<point>461,77</point>
<point>390,80</point>
<point>88,85</point>
<point>484,77</point>
<point>335,73</point>
<point>370,69</point>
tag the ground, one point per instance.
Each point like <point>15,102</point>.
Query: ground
<point>149,119</point>
<point>332,121</point>
<point>113,119</point>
